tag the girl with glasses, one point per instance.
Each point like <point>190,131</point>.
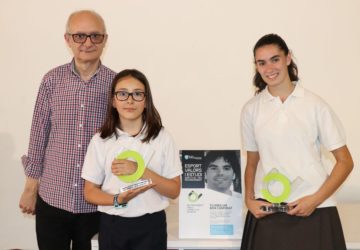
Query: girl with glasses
<point>132,219</point>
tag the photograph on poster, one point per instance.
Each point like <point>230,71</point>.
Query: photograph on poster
<point>222,172</point>
<point>210,199</point>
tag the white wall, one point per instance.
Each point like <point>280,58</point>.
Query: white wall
<point>197,55</point>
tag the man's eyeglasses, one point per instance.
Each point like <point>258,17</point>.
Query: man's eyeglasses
<point>81,37</point>
<point>136,96</point>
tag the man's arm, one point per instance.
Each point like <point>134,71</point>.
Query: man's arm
<point>33,163</point>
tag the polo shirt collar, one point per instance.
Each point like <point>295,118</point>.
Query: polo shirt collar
<point>141,134</point>
<point>297,92</point>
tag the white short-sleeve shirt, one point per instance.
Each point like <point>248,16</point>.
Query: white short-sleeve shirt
<point>160,155</point>
<point>288,137</point>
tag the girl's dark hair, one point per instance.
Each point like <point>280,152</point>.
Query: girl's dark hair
<point>275,39</point>
<point>150,115</point>
<point>230,157</point>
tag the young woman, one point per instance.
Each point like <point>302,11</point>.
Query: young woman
<point>133,219</point>
<point>283,128</point>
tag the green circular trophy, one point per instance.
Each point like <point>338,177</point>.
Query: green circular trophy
<point>277,201</point>
<point>140,165</point>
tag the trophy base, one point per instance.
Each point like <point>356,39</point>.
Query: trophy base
<point>276,208</point>
<point>137,184</point>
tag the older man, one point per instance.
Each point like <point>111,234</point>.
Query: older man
<point>70,107</point>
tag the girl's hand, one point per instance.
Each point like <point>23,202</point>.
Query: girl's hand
<point>123,167</point>
<point>130,194</point>
<point>254,207</point>
<point>304,206</point>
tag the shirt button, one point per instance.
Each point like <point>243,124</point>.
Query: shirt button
<point>79,145</point>
<point>75,185</point>
<point>78,165</point>
<point>80,125</point>
<point>82,105</point>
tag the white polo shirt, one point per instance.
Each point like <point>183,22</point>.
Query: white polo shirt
<point>288,137</point>
<point>160,155</point>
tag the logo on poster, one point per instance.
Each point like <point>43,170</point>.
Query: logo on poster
<point>187,157</point>
<point>193,196</point>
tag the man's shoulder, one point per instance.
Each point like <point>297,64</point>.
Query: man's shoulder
<point>55,75</point>
<point>59,70</point>
<point>107,70</point>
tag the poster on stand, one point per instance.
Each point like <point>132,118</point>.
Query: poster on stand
<point>210,202</point>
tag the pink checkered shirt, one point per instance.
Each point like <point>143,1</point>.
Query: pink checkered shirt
<point>68,112</point>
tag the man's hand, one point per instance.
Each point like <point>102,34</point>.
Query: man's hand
<point>28,198</point>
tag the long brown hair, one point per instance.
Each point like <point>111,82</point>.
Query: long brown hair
<point>150,115</point>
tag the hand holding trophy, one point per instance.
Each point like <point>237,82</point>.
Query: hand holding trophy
<point>134,178</point>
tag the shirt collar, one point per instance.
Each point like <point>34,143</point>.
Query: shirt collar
<point>73,68</point>
<point>297,92</point>
<point>141,134</point>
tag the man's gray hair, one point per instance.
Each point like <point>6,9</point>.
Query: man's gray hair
<point>67,28</point>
